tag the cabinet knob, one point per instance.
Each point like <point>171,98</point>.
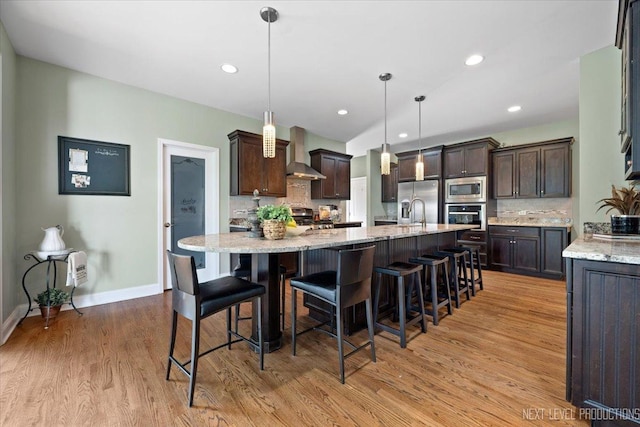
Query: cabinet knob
<point>620,132</point>
<point>541,191</point>
<point>629,162</point>
<point>167,224</point>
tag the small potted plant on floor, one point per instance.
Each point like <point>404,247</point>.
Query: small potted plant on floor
<point>627,202</point>
<point>50,301</point>
<point>274,220</point>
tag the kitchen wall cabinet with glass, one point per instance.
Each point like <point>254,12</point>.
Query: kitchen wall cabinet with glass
<point>538,170</point>
<point>390,185</point>
<point>250,170</point>
<point>628,40</point>
<point>432,158</point>
<point>468,158</point>
<point>337,168</point>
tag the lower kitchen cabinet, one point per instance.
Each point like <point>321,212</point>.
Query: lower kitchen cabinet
<point>603,333</point>
<point>515,249</point>
<point>535,251</point>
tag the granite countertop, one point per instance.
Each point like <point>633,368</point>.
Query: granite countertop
<point>627,252</point>
<point>524,221</point>
<point>314,239</point>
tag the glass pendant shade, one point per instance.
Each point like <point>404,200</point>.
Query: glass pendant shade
<point>420,169</point>
<point>268,136</point>
<point>385,162</point>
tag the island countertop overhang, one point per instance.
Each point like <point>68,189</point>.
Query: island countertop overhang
<point>319,239</point>
<point>604,250</point>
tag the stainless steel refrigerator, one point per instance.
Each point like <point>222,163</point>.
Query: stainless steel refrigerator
<point>426,191</point>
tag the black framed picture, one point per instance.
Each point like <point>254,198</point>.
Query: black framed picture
<point>93,167</point>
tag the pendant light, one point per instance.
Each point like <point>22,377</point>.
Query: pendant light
<point>385,157</point>
<point>419,162</point>
<point>269,15</point>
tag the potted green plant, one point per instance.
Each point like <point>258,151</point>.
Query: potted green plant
<point>627,202</point>
<point>274,220</point>
<point>50,301</point>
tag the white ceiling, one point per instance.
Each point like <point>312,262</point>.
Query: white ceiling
<point>327,55</point>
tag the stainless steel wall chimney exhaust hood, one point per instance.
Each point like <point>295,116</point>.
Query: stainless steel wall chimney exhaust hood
<point>297,168</point>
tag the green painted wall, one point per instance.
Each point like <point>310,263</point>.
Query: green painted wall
<point>119,233</point>
<point>600,161</point>
<point>359,166</point>
<point>8,256</point>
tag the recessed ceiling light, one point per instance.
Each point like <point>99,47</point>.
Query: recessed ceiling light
<point>474,59</point>
<point>343,112</point>
<point>514,108</point>
<point>228,68</point>
<point>403,135</point>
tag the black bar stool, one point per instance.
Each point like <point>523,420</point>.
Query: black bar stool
<point>197,301</point>
<point>475,268</point>
<point>436,266</point>
<point>400,270</point>
<point>457,274</point>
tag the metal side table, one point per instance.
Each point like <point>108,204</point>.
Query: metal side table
<point>51,278</point>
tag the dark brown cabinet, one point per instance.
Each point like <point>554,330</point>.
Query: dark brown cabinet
<point>468,158</point>
<point>535,251</point>
<point>390,185</point>
<point>554,241</point>
<point>251,171</point>
<point>337,168</point>
<point>432,158</point>
<point>603,332</point>
<point>515,249</point>
<point>535,170</point>
<point>628,40</point>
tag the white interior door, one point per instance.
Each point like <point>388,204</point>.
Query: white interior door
<point>189,203</point>
<point>357,206</point>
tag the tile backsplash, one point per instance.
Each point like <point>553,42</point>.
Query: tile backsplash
<point>298,196</point>
<point>535,208</point>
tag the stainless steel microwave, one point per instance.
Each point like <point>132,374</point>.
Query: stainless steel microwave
<point>463,190</point>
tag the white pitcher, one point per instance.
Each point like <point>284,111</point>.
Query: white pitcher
<point>52,239</point>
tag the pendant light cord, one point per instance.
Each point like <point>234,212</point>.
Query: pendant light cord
<point>269,64</point>
<point>420,127</point>
<point>385,114</point>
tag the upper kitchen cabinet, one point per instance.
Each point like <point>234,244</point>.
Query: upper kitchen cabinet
<point>536,170</point>
<point>628,40</point>
<point>432,158</point>
<point>468,158</point>
<point>390,185</point>
<point>251,171</point>
<point>337,168</point>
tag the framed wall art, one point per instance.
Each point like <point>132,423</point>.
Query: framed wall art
<point>93,167</point>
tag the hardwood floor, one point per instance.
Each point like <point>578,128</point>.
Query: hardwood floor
<point>497,361</point>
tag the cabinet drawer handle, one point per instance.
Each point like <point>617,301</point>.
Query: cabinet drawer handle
<point>475,238</point>
<point>512,231</point>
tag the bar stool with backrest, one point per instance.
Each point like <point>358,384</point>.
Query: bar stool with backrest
<point>399,270</point>
<point>243,270</point>
<point>457,274</point>
<point>435,276</point>
<point>197,301</point>
<point>349,285</point>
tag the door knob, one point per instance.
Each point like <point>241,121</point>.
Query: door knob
<point>167,224</point>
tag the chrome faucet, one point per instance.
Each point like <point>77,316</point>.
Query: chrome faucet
<point>423,221</point>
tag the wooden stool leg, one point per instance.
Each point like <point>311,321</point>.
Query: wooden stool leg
<point>403,313</point>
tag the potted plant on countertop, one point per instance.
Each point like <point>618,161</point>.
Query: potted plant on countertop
<point>274,220</point>
<point>627,202</point>
<point>50,301</point>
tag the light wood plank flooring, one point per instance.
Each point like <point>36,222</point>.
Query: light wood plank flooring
<point>497,361</point>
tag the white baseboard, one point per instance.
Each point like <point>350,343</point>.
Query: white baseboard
<point>81,301</point>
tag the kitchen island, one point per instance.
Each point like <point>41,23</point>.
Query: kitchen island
<point>317,251</point>
<point>603,330</point>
